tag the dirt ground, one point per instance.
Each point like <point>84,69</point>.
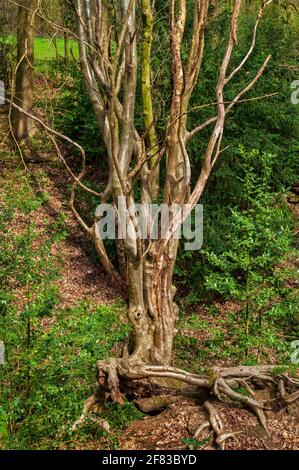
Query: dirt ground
<point>173,427</point>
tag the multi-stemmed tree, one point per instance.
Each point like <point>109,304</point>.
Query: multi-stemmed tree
<point>115,51</point>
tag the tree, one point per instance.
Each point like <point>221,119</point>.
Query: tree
<point>109,58</point>
<point>23,94</point>
<point>68,21</point>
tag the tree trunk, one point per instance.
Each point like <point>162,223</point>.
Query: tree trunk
<point>66,47</point>
<point>152,310</point>
<point>23,96</point>
<point>147,101</point>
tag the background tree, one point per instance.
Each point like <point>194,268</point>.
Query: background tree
<point>68,24</point>
<point>23,94</point>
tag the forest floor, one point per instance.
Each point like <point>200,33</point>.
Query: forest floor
<point>82,279</point>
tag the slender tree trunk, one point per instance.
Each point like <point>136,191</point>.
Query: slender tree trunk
<point>23,97</point>
<point>56,48</point>
<point>66,47</point>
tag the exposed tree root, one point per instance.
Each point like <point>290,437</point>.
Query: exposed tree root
<point>91,410</point>
<point>237,385</point>
<point>215,422</point>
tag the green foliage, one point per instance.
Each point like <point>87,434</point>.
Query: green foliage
<point>260,237</point>
<point>242,391</point>
<point>195,443</point>
<point>3,427</point>
<point>51,376</point>
<point>265,124</point>
<point>225,340</point>
<point>72,113</point>
<point>7,57</point>
<point>120,415</point>
<point>253,232</point>
<point>246,259</point>
<point>19,195</point>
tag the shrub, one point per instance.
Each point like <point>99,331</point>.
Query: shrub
<point>7,58</point>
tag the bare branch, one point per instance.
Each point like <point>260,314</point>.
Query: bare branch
<point>247,56</point>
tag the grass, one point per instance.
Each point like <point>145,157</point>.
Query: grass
<point>45,49</point>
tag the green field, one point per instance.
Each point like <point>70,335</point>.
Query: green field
<point>45,49</point>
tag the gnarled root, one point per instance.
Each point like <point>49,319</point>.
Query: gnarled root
<point>223,387</point>
<point>91,410</point>
<point>214,422</point>
<point>228,385</point>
